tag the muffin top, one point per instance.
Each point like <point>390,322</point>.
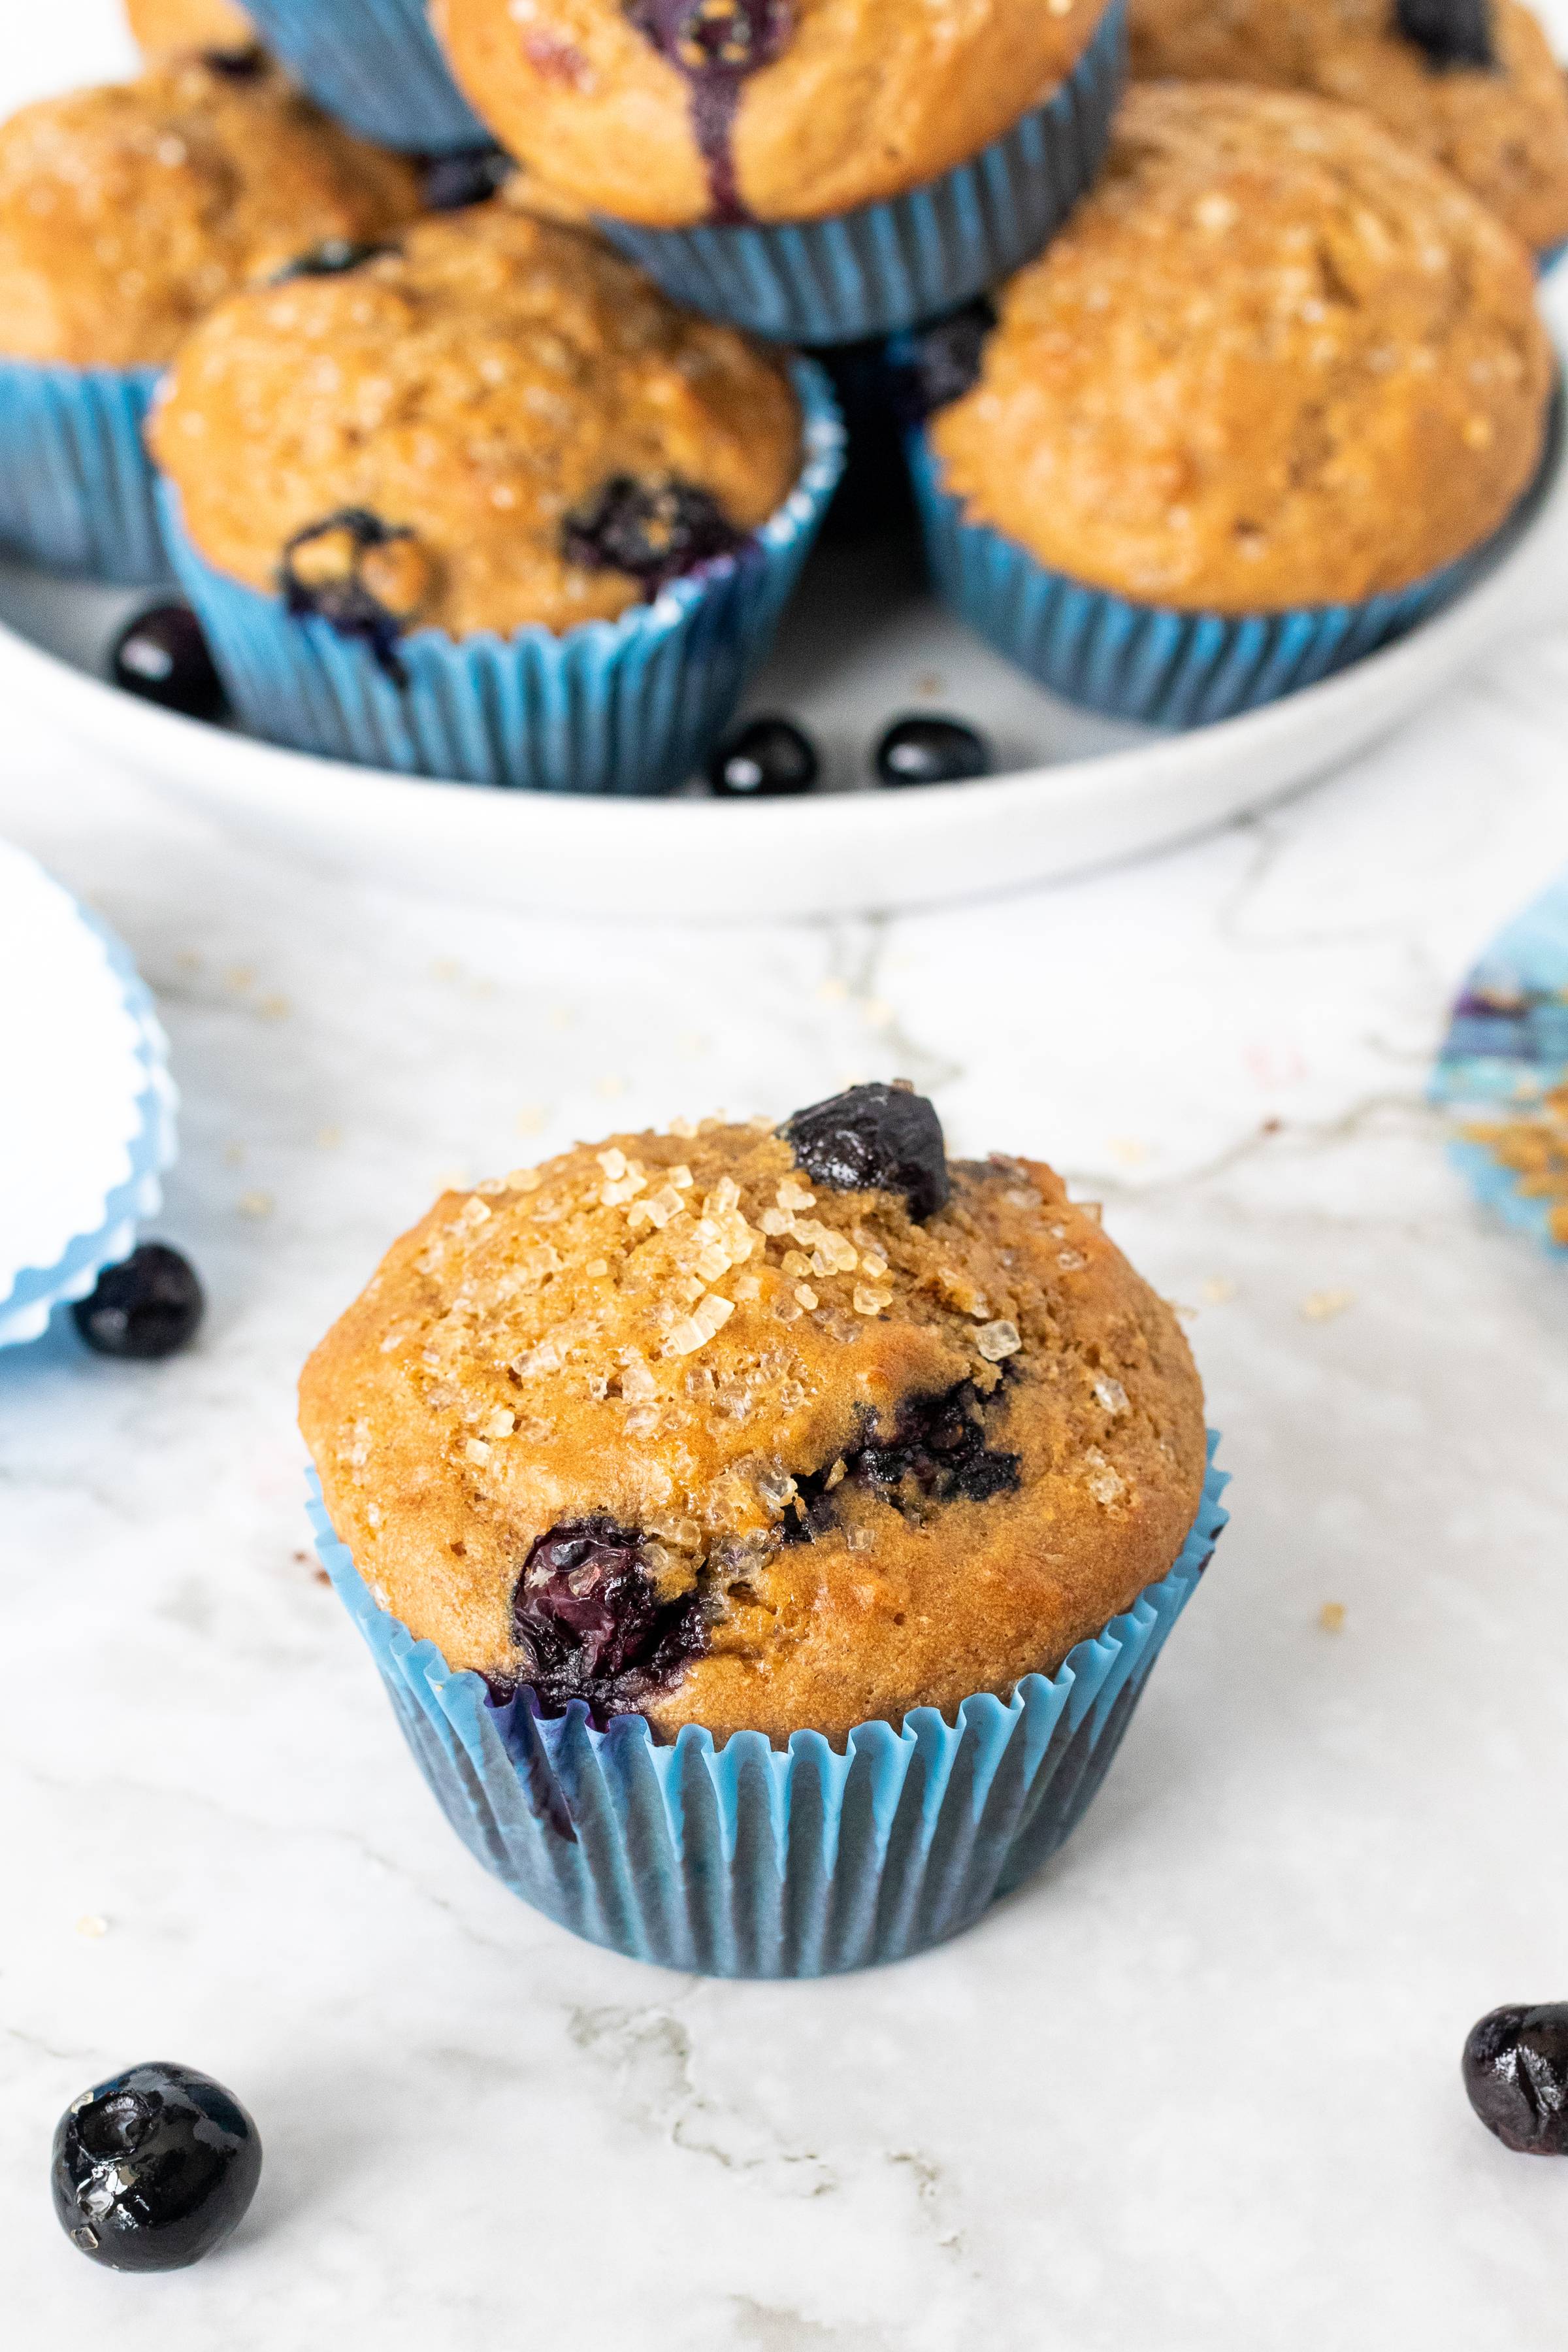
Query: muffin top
<point>1472,83</point>
<point>1273,360</point>
<point>676,112</point>
<point>183,29</point>
<point>127,211</point>
<point>745,1428</point>
<point>498,423</point>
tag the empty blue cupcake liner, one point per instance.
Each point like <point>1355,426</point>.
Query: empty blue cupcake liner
<point>37,1291</point>
<point>375,64</point>
<point>1506,1047</point>
<point>77,486</point>
<point>894,265</point>
<point>625,707</point>
<point>1149,662</point>
<point>746,1860</point>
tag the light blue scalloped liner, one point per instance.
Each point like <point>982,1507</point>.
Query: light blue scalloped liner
<point>376,63</point>
<point>893,265</point>
<point>1507,1045</point>
<point>76,484</point>
<point>1151,663</point>
<point>625,706</point>
<point>742,1860</point>
<point>26,1307</point>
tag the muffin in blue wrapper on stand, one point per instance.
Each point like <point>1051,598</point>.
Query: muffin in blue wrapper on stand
<point>1502,1074</point>
<point>126,210</point>
<point>796,202</point>
<point>1172,476</point>
<point>91,1105</point>
<point>374,64</point>
<point>579,609</point>
<point>764,1537</point>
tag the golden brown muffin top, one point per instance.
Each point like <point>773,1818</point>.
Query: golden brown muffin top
<point>675,112</point>
<point>1502,128</point>
<point>675,1425</point>
<point>180,29</point>
<point>498,393</point>
<point>127,211</point>
<point>1273,360</point>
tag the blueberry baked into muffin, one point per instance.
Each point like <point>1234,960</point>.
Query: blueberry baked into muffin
<point>492,423</point>
<point>759,1429</point>
<point>674,111</point>
<point>1471,84</point>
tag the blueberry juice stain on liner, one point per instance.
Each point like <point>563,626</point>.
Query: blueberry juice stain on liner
<point>715,44</point>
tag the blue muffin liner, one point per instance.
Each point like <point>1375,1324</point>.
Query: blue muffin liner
<point>1150,662</point>
<point>375,64</point>
<point>746,1860</point>
<point>1507,1046</point>
<point>77,489</point>
<point>37,1291</point>
<point>629,706</point>
<point>894,265</point>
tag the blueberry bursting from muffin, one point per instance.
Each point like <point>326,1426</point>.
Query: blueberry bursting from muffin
<point>1453,34</point>
<point>715,44</point>
<point>587,1611</point>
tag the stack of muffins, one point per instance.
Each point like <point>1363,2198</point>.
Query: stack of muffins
<point>497,461</point>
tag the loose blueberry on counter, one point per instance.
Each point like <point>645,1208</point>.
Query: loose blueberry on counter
<point>146,1307</point>
<point>1452,33</point>
<point>654,530</point>
<point>162,657</point>
<point>470,176</point>
<point>1516,2075</point>
<point>931,750</point>
<point>589,1616</point>
<point>874,1139</point>
<point>768,759</point>
<point>333,257</point>
<point>153,2170</point>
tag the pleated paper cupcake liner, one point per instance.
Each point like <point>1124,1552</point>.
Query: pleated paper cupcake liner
<point>1152,663</point>
<point>36,1292</point>
<point>895,265</point>
<point>375,64</point>
<point>625,707</point>
<point>77,489</point>
<point>1505,1051</point>
<point>746,1860</point>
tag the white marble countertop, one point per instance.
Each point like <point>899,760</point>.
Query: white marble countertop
<point>1196,2088</point>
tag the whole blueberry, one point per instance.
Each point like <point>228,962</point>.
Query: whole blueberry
<point>874,1139</point>
<point>147,1306</point>
<point>1452,33</point>
<point>1516,2073</point>
<point>931,750</point>
<point>471,175</point>
<point>766,760</point>
<point>942,362</point>
<point>153,2170</point>
<point>162,655</point>
<point>333,257</point>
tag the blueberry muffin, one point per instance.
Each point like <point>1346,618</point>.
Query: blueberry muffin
<point>497,422</point>
<point>127,211</point>
<point>671,112</point>
<point>165,29</point>
<point>1472,84</point>
<point>1276,360</point>
<point>759,1429</point>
